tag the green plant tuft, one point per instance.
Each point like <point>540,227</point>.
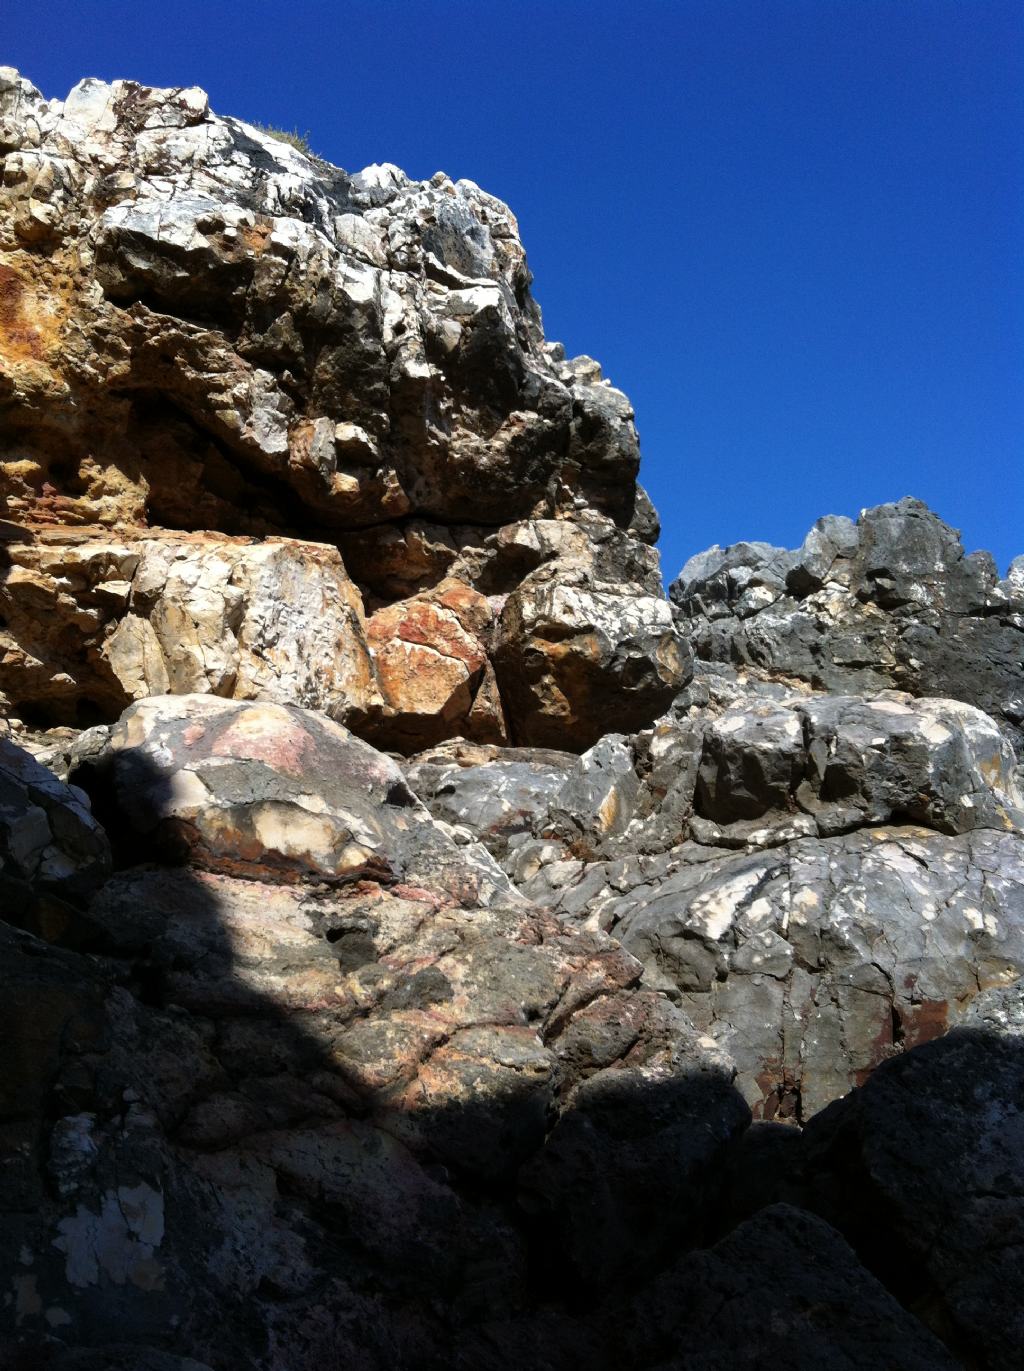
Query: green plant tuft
<point>295,138</point>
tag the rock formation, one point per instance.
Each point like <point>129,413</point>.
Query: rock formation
<point>890,600</point>
<point>366,1001</point>
<point>208,332</point>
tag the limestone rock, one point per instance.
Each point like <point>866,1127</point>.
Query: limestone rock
<point>93,622</point>
<point>49,840</point>
<point>274,791</point>
<point>889,601</point>
<point>713,847</point>
<point>847,762</point>
<point>325,1059</point>
<point>204,329</point>
<point>814,962</point>
<point>436,679</point>
<point>568,658</point>
<point>748,772</point>
<point>504,795</point>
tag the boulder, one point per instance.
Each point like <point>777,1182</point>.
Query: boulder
<point>922,1169</point>
<point>568,658</point>
<point>273,792</point>
<point>93,622</point>
<point>845,762</point>
<point>436,679</point>
<point>507,795</point>
<point>782,1287</point>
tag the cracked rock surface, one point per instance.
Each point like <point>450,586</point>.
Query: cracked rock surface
<point>364,1001</point>
<point>340,384</point>
<point>891,600</point>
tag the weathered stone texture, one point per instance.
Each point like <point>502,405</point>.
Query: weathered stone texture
<point>203,329</point>
<point>333,1046</point>
<point>695,1044</point>
<point>92,622</point>
<point>890,600</point>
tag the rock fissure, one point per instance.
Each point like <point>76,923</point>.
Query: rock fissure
<point>365,1002</point>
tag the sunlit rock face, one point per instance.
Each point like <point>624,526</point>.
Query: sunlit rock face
<point>891,600</point>
<point>820,881</point>
<point>204,330</point>
<point>422,945</point>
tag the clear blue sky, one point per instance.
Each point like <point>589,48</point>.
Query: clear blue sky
<point>790,230</point>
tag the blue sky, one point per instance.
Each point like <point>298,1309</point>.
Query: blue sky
<point>790,230</point>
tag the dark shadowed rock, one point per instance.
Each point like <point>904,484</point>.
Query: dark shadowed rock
<point>330,1099</point>
<point>923,1169</point>
<point>784,1287</point>
<point>50,844</point>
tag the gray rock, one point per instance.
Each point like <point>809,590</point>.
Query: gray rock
<point>848,762</point>
<point>813,962</point>
<point>999,1010</point>
<point>49,839</point>
<point>493,793</point>
<point>891,601</point>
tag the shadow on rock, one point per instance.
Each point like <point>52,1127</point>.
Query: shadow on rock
<point>922,1169</point>
<point>329,1093</point>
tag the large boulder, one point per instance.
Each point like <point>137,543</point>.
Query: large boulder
<point>436,678</point>
<point>923,1169</point>
<point>272,792</point>
<point>569,658</point>
<point>785,1287</point>
<point>845,762</point>
<point>92,622</point>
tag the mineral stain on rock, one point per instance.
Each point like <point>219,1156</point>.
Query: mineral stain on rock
<point>423,943</point>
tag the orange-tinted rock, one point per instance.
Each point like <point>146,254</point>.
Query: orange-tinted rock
<point>433,669</point>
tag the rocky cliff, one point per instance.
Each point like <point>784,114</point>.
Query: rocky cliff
<point>338,388</point>
<point>425,944</point>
